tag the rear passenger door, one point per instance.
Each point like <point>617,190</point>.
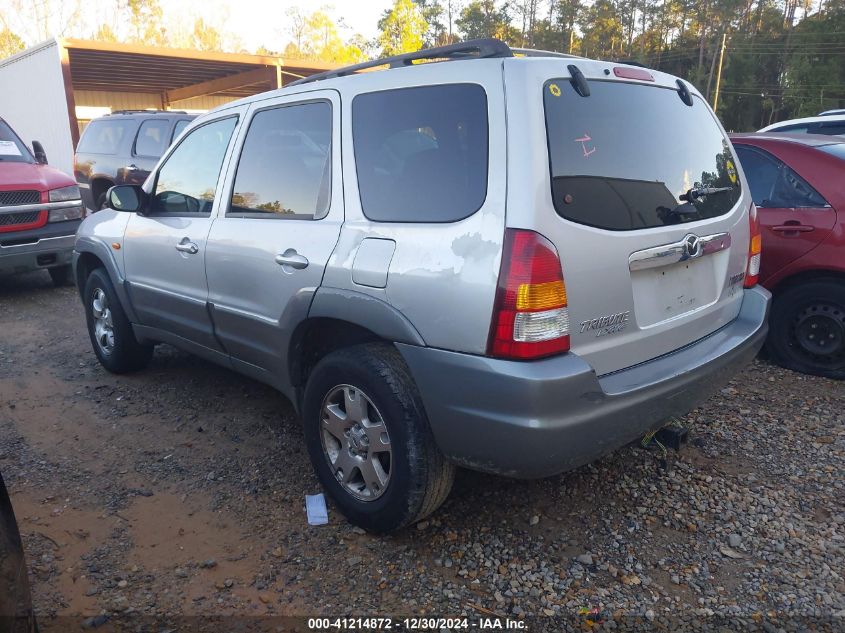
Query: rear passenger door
<point>281,214</point>
<point>794,217</point>
<point>150,143</point>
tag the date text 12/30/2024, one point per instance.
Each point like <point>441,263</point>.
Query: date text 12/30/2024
<point>415,624</point>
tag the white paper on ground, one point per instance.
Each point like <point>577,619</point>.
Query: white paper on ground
<point>315,506</point>
<point>9,148</point>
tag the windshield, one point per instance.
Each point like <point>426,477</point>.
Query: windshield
<point>631,156</point>
<point>11,148</point>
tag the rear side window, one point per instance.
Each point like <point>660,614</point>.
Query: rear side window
<point>834,128</point>
<point>622,158</point>
<point>152,138</point>
<point>421,153</point>
<point>774,184</point>
<point>285,165</point>
<point>104,136</point>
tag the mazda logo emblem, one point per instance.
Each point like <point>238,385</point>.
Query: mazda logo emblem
<point>692,245</point>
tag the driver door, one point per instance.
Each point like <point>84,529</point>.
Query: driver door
<point>164,249</point>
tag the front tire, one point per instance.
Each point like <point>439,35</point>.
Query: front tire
<point>111,334</point>
<point>807,328</point>
<point>369,439</point>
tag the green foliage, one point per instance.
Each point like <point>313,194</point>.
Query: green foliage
<point>10,43</point>
<point>402,29</point>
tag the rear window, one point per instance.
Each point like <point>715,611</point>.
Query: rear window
<point>837,150</point>
<point>104,136</point>
<point>622,158</point>
<point>421,153</point>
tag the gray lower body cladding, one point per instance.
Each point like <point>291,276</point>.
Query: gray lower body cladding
<point>536,419</point>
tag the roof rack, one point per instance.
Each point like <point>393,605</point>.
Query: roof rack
<point>535,52</point>
<point>471,49</point>
<point>150,111</point>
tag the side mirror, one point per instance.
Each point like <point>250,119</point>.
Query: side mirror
<point>40,154</point>
<point>129,198</point>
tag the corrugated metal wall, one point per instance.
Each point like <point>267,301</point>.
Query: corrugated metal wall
<point>33,102</point>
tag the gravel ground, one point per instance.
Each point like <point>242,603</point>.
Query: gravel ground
<point>180,491</point>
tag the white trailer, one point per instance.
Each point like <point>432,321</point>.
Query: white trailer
<point>34,101</point>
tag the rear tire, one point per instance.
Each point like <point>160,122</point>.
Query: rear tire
<point>111,334</point>
<point>60,275</point>
<point>807,328</point>
<point>414,476</point>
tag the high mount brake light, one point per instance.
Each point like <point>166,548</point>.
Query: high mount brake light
<point>530,315</point>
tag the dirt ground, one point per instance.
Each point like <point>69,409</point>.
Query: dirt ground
<point>180,491</point>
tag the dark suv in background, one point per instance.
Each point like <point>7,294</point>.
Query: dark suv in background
<point>122,148</point>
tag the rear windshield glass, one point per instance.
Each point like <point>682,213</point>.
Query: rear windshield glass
<point>623,157</point>
<point>421,153</point>
<point>103,136</point>
<point>837,150</point>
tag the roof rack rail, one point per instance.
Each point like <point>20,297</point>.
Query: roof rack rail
<point>148,111</point>
<point>462,50</point>
<point>535,52</point>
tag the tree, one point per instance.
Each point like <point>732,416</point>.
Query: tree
<point>9,43</point>
<point>205,37</point>
<point>402,28</point>
<point>146,22</point>
<point>105,33</point>
<point>481,18</point>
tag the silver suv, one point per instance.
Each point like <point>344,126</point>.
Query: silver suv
<point>510,263</point>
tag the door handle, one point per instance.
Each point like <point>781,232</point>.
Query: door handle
<point>292,259</point>
<point>792,226</point>
<point>187,246</point>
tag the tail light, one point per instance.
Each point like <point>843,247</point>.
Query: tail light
<point>530,315</point>
<point>755,248</point>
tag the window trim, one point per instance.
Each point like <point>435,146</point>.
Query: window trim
<point>170,151</point>
<point>781,165</point>
<point>169,132</point>
<point>258,215</point>
<point>486,156</point>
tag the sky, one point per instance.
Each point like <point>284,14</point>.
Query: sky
<point>254,23</point>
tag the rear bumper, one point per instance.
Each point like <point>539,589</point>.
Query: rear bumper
<point>47,247</point>
<point>535,419</point>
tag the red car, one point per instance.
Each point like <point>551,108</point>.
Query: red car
<point>798,185</point>
<point>40,210</point>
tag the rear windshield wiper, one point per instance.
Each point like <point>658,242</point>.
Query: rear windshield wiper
<point>695,193</point>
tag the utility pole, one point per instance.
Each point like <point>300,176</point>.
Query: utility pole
<point>719,73</point>
<point>571,39</point>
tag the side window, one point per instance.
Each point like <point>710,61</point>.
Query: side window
<point>181,124</point>
<point>761,172</point>
<point>186,183</point>
<point>103,136</point>
<point>421,153</point>
<point>793,191</point>
<point>794,129</point>
<point>834,128</point>
<point>152,138</point>
<point>285,165</point>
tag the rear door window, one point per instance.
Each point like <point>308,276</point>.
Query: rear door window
<point>622,158</point>
<point>421,153</point>
<point>104,136</point>
<point>285,165</point>
<point>761,172</point>
<point>774,184</point>
<point>152,138</point>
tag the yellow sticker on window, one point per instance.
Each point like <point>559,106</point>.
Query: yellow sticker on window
<point>731,171</point>
<point>554,89</point>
